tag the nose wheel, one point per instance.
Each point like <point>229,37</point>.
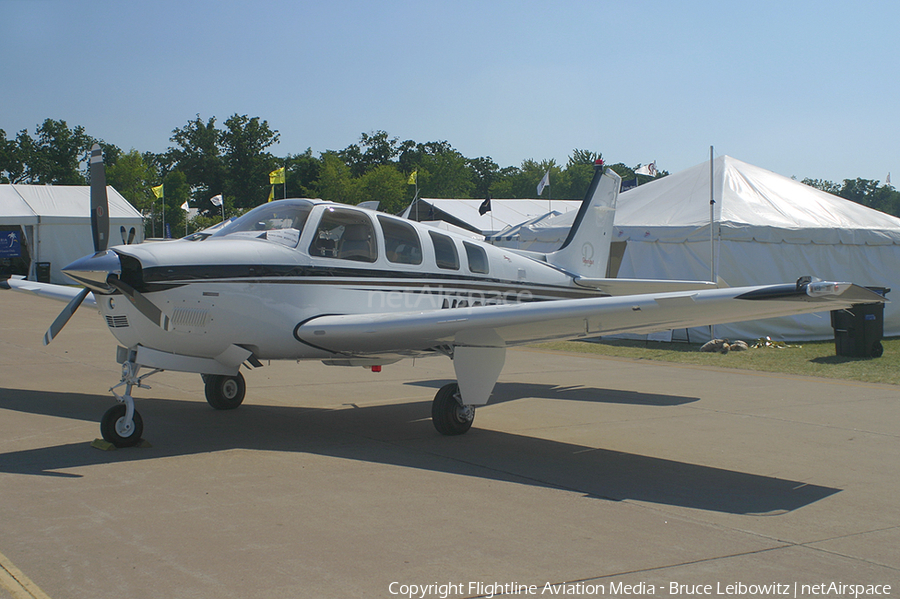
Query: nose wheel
<point>119,430</point>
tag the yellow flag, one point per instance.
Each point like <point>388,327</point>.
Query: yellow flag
<point>276,176</point>
<point>158,191</point>
<point>271,194</point>
<point>413,177</point>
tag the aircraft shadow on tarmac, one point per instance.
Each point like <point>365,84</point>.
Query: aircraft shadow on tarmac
<point>402,435</point>
<point>504,392</point>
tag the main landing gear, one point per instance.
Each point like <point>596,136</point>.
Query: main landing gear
<point>448,414</point>
<point>224,392</point>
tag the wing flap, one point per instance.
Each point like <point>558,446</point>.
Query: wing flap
<point>517,324</point>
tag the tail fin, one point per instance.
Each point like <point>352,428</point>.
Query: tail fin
<point>585,251</point>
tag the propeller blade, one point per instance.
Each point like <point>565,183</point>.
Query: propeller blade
<point>131,234</point>
<point>64,316</point>
<point>99,201</point>
<point>124,234</point>
<point>144,306</point>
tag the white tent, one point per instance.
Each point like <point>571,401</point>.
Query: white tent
<point>56,223</point>
<point>768,229</point>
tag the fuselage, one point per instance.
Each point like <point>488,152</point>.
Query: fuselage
<point>256,279</point>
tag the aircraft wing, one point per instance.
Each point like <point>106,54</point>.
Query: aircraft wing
<point>516,324</point>
<point>62,293</point>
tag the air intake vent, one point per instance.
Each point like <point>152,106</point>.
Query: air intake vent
<point>116,322</point>
<point>190,317</point>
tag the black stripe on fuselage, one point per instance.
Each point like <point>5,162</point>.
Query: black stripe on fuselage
<point>158,278</point>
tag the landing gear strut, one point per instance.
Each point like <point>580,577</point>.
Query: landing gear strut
<point>448,414</point>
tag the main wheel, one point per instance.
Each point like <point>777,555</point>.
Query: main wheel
<point>225,392</point>
<point>112,427</point>
<point>448,415</point>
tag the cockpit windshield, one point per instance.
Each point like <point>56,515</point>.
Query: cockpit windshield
<point>281,222</point>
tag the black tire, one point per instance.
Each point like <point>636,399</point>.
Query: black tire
<point>225,392</point>
<point>447,415</point>
<point>877,350</point>
<point>111,435</point>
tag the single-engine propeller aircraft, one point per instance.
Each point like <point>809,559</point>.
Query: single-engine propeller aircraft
<point>301,279</point>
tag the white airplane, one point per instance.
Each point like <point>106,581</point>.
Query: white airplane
<point>302,279</point>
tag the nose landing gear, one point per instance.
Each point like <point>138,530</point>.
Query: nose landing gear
<point>122,425</point>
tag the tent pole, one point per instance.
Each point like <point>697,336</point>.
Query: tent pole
<point>712,238</point>
<point>712,216</point>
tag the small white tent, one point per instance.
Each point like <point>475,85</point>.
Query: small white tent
<point>768,229</point>
<point>56,223</point>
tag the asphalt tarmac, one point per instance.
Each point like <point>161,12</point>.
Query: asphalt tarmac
<point>584,476</point>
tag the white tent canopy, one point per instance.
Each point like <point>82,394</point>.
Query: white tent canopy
<point>768,229</point>
<point>56,222</point>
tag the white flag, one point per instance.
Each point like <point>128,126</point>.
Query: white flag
<point>185,207</point>
<point>647,169</point>
<point>216,200</point>
<point>545,182</point>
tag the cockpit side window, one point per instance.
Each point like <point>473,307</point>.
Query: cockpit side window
<point>345,235</point>
<point>401,242</point>
<point>445,253</point>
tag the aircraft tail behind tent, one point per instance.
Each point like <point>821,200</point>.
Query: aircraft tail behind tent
<point>585,252</point>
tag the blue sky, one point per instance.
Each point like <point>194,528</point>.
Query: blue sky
<point>806,89</point>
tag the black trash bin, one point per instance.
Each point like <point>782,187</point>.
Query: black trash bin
<point>43,272</point>
<point>858,330</point>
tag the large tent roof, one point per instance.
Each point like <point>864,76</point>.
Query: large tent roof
<point>752,204</point>
<point>56,204</point>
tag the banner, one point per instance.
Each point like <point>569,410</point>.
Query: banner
<point>10,246</point>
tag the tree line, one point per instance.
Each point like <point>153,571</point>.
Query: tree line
<point>233,160</point>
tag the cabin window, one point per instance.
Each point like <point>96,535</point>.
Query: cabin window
<point>345,235</point>
<point>478,261</point>
<point>401,242</point>
<point>444,251</point>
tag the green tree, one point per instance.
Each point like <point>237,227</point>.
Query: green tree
<point>176,193</point>
<point>302,173</point>
<point>374,149</point>
<point>247,164</point>
<point>335,183</point>
<point>483,172</point>
<point>523,181</point>
<point>823,185</point>
<point>57,155</point>
<point>12,165</point>
<point>133,177</point>
<point>384,184</point>
<point>198,156</point>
